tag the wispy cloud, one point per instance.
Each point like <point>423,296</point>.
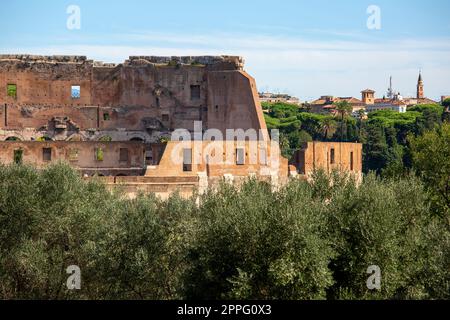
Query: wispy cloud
<point>302,66</point>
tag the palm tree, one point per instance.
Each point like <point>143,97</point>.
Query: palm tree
<point>361,117</point>
<point>343,108</point>
<point>361,114</point>
<point>328,127</point>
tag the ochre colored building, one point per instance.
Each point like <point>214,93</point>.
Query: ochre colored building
<point>329,156</point>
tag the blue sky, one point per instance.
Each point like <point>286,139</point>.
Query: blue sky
<point>306,48</point>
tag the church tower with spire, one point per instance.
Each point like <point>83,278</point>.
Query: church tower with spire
<point>420,93</point>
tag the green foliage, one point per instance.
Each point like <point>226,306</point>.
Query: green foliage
<point>382,223</point>
<point>266,105</point>
<point>446,103</point>
<point>164,140</point>
<point>173,63</point>
<point>105,139</point>
<point>384,134</point>
<point>308,240</point>
<point>427,107</point>
<point>141,248</point>
<point>197,64</point>
<point>299,126</point>
<point>431,118</point>
<point>281,110</point>
<point>386,118</point>
<point>43,139</point>
<point>12,91</point>
<point>343,107</point>
<point>48,221</point>
<point>254,244</point>
<point>431,159</point>
<point>99,154</point>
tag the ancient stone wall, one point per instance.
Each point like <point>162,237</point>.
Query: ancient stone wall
<point>46,119</point>
<point>150,94</point>
<point>220,159</point>
<point>105,158</point>
<point>329,156</point>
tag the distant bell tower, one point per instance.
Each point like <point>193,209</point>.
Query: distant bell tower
<point>420,94</point>
<point>368,96</point>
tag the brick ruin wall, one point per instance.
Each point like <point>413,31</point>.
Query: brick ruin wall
<point>144,97</point>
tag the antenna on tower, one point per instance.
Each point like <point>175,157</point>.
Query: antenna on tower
<point>390,93</point>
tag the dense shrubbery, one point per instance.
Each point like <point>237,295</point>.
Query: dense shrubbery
<point>430,155</point>
<point>308,240</point>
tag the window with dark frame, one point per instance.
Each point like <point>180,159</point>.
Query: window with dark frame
<point>47,154</point>
<point>165,117</point>
<point>18,156</point>
<point>332,156</point>
<point>351,161</point>
<point>106,116</point>
<point>195,92</point>
<point>123,155</point>
<point>149,156</point>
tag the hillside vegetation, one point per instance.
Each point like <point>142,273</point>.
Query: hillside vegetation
<point>384,134</point>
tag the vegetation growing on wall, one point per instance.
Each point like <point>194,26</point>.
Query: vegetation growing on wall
<point>12,90</point>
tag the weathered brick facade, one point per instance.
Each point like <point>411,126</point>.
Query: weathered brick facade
<point>68,108</point>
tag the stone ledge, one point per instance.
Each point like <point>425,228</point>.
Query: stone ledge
<point>38,58</point>
<point>237,61</point>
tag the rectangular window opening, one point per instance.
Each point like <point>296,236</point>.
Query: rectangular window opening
<point>106,116</point>
<point>123,157</point>
<point>18,156</point>
<point>12,90</point>
<point>47,154</point>
<point>149,157</point>
<point>165,117</point>
<point>73,154</point>
<point>195,92</point>
<point>240,156</point>
<point>351,161</point>
<point>263,157</point>
<point>99,154</point>
<point>187,160</point>
<point>332,159</point>
<point>75,92</point>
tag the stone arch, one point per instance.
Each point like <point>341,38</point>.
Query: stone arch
<point>138,137</point>
<point>13,138</point>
